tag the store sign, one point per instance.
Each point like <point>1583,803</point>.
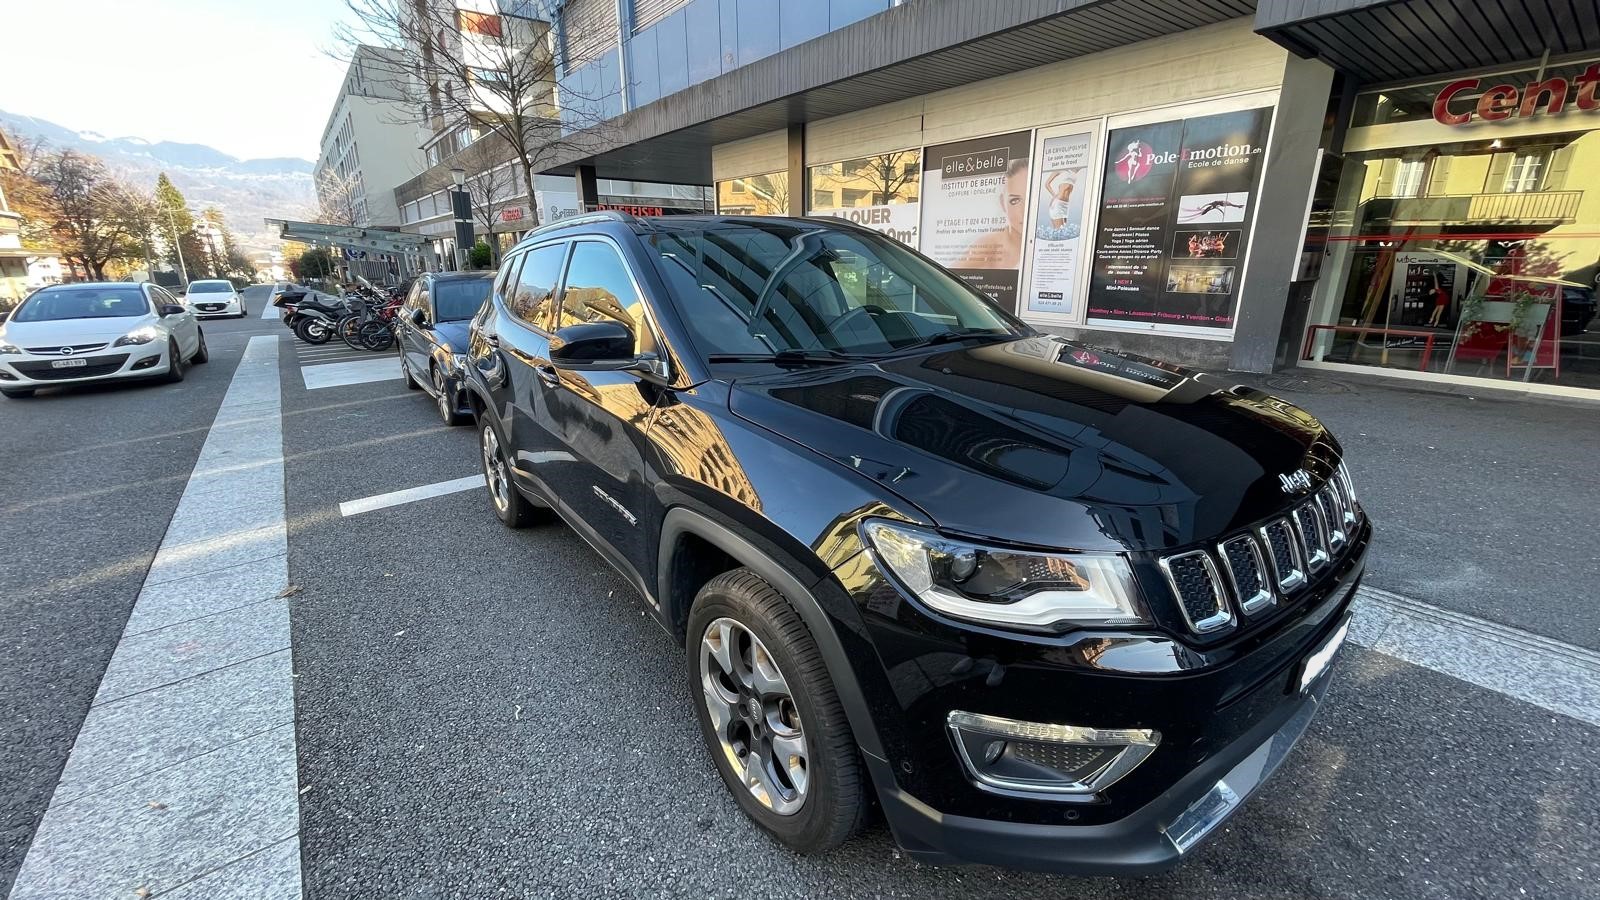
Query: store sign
<point>1453,106</point>
<point>974,210</point>
<point>1176,204</point>
<point>511,214</point>
<point>897,220</point>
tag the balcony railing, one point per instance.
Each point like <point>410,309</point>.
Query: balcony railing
<point>1532,207</point>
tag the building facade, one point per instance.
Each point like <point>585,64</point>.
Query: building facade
<point>1229,184</point>
<point>13,259</point>
<point>368,146</point>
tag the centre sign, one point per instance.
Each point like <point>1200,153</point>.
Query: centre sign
<point>1505,101</point>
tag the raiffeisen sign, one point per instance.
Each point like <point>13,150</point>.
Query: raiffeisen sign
<point>1454,104</point>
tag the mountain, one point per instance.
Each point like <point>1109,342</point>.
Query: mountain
<point>246,190</point>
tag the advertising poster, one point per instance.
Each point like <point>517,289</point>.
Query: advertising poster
<point>974,210</point>
<point>1176,204</point>
<point>1061,184</point>
<point>897,220</point>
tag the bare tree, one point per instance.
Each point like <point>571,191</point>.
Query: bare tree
<point>495,72</point>
<point>491,186</point>
<point>92,217</point>
<point>338,200</point>
<point>884,175</point>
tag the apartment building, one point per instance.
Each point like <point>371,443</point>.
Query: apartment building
<point>370,144</point>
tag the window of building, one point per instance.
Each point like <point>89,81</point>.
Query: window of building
<point>754,195</point>
<point>881,192</point>
<point>588,31</point>
<point>1489,270</point>
<point>649,12</point>
<point>1408,178</point>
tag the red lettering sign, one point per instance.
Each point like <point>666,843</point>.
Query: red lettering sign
<point>1504,101</point>
<point>511,214</point>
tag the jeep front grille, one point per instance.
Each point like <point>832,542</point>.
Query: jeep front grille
<point>1266,566</point>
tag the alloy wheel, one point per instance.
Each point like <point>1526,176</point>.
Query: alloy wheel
<point>754,716</point>
<point>494,470</point>
<point>441,391</point>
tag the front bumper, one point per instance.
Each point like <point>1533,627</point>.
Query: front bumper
<point>110,364</point>
<point>1150,840</point>
<point>1227,714</point>
<point>217,310</point>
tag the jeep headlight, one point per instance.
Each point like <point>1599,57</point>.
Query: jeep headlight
<point>1011,588</point>
<point>138,336</point>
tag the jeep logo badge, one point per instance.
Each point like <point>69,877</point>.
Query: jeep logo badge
<point>1296,481</point>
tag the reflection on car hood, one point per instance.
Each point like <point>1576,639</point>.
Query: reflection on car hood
<point>1047,442</point>
<point>454,334</point>
<point>68,332</point>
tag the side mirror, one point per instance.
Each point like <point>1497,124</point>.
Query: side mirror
<point>172,309</point>
<point>604,346</point>
<point>419,318</point>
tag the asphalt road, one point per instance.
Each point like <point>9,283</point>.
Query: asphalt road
<point>483,712</point>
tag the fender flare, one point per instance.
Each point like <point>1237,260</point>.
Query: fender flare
<point>680,520</point>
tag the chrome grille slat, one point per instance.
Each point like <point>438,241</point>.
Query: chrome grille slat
<point>1327,501</point>
<point>1307,521</point>
<point>1288,564</point>
<point>1194,581</point>
<point>1247,571</point>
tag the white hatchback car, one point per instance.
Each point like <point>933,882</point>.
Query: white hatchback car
<point>74,333</point>
<point>215,298</point>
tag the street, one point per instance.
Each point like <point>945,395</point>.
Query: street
<point>481,712</point>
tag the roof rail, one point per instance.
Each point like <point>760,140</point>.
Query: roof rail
<point>599,215</point>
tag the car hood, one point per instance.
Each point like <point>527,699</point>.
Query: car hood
<point>1047,442</point>
<point>453,334</point>
<point>71,331</point>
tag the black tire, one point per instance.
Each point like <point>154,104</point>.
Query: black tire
<point>405,375</point>
<point>512,508</point>
<point>835,804</point>
<point>17,393</point>
<point>244,311</point>
<point>201,353</point>
<point>375,336</point>
<point>175,364</point>
<point>444,399</point>
<point>313,331</point>
<point>346,327</point>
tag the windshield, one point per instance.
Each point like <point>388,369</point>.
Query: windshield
<point>210,287</point>
<point>56,304</point>
<point>767,287</point>
<point>455,299</point>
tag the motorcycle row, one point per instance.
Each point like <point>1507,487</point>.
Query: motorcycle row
<point>362,318</point>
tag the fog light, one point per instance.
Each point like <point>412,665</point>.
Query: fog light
<point>146,363</point>
<point>7,376</point>
<point>1038,757</point>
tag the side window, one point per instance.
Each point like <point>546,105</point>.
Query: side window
<point>534,293</point>
<point>598,287</point>
<point>412,301</point>
<point>507,277</point>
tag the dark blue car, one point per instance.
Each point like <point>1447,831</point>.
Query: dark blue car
<point>432,329</point>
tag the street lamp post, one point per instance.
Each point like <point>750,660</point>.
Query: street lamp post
<point>172,222</point>
<point>461,209</point>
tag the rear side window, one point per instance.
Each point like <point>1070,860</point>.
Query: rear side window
<point>598,287</point>
<point>532,298</point>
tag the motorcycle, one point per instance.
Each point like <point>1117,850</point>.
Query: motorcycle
<point>310,319</point>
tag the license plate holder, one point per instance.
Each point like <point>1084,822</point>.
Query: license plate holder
<point>68,363</point>
<point>1316,664</point>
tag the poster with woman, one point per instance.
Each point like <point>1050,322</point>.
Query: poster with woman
<point>1063,181</point>
<point>1177,201</point>
<point>974,210</point>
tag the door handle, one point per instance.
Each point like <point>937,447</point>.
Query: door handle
<point>547,374</point>
<point>491,339</point>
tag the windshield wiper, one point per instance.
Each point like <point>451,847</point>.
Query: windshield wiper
<point>790,357</point>
<point>946,337</point>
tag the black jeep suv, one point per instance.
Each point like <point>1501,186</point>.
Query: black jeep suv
<point>1048,606</point>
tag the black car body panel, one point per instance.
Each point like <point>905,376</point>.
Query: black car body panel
<point>1031,441</point>
<point>431,345</point>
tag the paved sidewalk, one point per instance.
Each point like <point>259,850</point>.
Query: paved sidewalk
<point>1484,505</point>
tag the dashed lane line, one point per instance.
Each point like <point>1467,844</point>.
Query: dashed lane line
<point>183,774</point>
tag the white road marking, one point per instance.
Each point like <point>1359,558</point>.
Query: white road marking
<point>184,770</point>
<point>1549,674</point>
<point>409,495</point>
<point>359,371</point>
<point>271,312</point>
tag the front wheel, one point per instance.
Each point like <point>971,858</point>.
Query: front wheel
<point>201,354</point>
<point>445,398</point>
<point>770,716</point>
<point>174,363</point>
<point>510,506</point>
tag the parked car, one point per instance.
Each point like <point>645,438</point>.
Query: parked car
<point>1577,310</point>
<point>431,335</point>
<point>73,333</point>
<point>1053,607</point>
<point>215,298</point>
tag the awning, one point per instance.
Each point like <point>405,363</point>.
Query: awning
<point>376,239</point>
<point>1379,41</point>
<point>904,52</point>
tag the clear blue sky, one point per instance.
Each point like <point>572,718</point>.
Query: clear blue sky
<point>252,78</point>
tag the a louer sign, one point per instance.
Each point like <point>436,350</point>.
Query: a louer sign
<point>1550,97</point>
